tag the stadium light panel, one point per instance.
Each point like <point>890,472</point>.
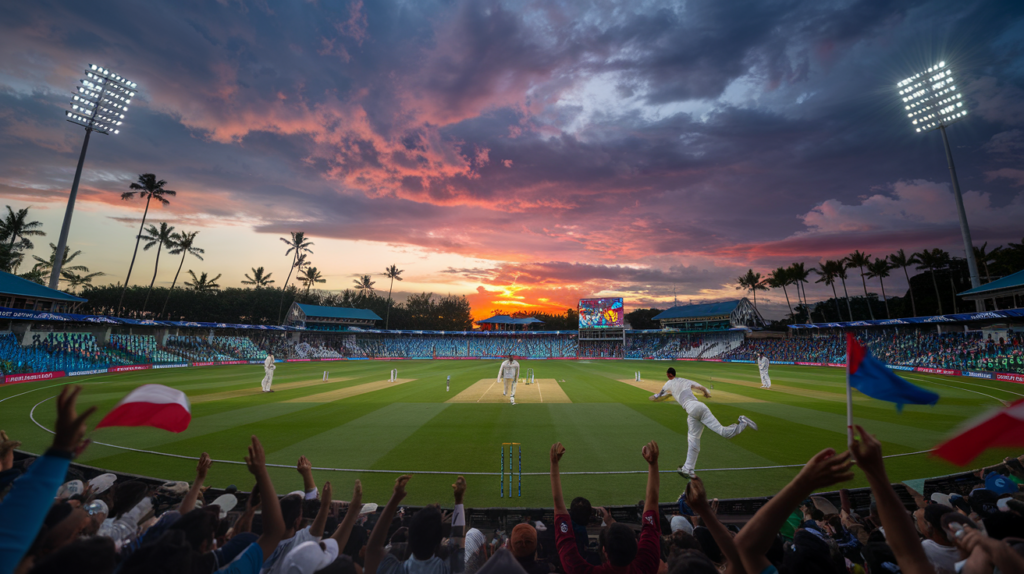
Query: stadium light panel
<point>928,98</point>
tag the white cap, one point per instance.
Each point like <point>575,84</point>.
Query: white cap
<point>681,523</point>
<point>941,498</point>
<point>70,488</point>
<point>308,557</point>
<point>1001,503</point>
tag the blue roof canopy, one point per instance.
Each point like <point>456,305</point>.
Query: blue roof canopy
<point>1009,282</point>
<point>14,285</point>
<point>313,312</point>
<point>506,320</point>
<point>698,311</point>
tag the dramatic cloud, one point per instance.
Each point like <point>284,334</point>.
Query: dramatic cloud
<point>524,153</point>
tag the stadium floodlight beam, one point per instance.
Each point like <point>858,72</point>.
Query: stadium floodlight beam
<point>932,101</point>
<point>98,105</point>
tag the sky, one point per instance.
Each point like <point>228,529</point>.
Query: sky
<point>525,154</point>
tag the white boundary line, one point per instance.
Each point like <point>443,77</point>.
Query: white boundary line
<point>32,415</point>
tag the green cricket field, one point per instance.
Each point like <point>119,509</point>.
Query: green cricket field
<point>359,421</point>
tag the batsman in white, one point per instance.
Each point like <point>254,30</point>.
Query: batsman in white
<point>268,370</point>
<point>762,367</point>
<point>698,416</point>
<point>509,373</point>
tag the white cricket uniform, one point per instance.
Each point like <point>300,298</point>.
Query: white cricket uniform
<point>509,373</point>
<point>698,416</point>
<point>268,370</point>
<point>762,366</point>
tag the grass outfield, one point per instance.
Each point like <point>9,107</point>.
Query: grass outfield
<point>359,421</point>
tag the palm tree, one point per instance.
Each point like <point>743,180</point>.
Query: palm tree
<point>879,269</point>
<point>258,278</point>
<point>75,280</point>
<point>310,276</point>
<point>394,274</point>
<point>161,237</point>
<point>751,282</point>
<point>780,278</point>
<point>829,271</point>
<point>860,261</point>
<point>297,245</point>
<point>932,260</point>
<point>148,188</point>
<point>364,285</point>
<point>900,259</point>
<point>841,274</point>
<point>45,266</point>
<point>799,276</point>
<point>202,284</point>
<point>14,229</point>
<point>182,242</point>
<point>17,226</point>
<point>981,256</point>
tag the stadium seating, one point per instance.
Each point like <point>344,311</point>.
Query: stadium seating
<point>239,347</point>
<point>142,349</point>
<point>196,349</point>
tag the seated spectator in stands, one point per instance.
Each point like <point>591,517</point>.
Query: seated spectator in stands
<point>425,536</point>
<point>619,543</point>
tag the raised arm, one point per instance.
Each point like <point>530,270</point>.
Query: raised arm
<point>375,545</point>
<point>557,450</point>
<point>899,530</point>
<point>317,528</point>
<point>650,454</point>
<point>754,540</point>
<point>189,502</point>
<point>273,522</point>
<point>702,389</point>
<point>458,535</point>
<point>305,469</point>
<point>697,498</point>
<point>344,530</point>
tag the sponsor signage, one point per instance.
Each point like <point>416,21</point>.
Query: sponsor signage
<point>203,364</point>
<point>358,359</point>
<point>255,362</point>
<point>232,362</point>
<point>899,368</point>
<point>782,362</point>
<point>843,365</point>
<point>811,364</point>
<point>170,365</point>
<point>29,377</point>
<point>296,360</point>
<point>1009,377</point>
<point>333,359</point>
<point>976,375</point>
<point>713,360</point>
<point>123,368</point>
<point>936,371</point>
<point>739,361</point>
<point>89,372</point>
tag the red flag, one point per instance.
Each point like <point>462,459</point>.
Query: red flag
<point>1004,427</point>
<point>153,406</point>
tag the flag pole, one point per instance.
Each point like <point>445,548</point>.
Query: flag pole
<point>849,391</point>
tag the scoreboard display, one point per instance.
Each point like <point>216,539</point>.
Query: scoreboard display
<point>607,313</point>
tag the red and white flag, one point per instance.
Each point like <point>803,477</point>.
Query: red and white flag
<point>151,406</point>
<point>1001,428</point>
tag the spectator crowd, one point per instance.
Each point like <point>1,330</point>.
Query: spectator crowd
<point>52,520</point>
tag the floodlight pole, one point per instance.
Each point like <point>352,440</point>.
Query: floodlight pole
<point>65,228</point>
<point>965,229</point>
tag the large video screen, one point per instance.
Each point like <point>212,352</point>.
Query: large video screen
<point>601,313</point>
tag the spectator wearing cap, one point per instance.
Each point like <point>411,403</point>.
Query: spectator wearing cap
<point>937,547</point>
<point>523,545</point>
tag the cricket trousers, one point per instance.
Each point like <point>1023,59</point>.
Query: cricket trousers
<point>698,416</point>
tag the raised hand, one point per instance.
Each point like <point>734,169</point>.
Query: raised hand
<point>70,427</point>
<point>400,483</point>
<point>304,466</point>
<point>696,496</point>
<point>256,460</point>
<point>203,466</point>
<point>7,447</point>
<point>867,452</point>
<point>650,452</point>
<point>557,450</point>
<point>825,469</point>
<point>357,495</point>
<point>327,493</point>
<point>460,489</point>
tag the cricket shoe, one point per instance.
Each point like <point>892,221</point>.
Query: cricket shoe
<point>686,473</point>
<point>748,422</point>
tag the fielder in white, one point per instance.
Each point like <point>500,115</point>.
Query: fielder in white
<point>762,366</point>
<point>698,416</point>
<point>268,370</point>
<point>509,373</point>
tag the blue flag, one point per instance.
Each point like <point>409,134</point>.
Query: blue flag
<point>869,376</point>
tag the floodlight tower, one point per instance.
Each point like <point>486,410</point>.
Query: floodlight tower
<point>98,106</point>
<point>932,101</point>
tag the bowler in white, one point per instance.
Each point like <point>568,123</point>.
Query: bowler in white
<point>509,373</point>
<point>698,416</point>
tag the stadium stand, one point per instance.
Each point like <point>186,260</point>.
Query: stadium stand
<point>195,348</point>
<point>142,349</point>
<point>238,347</point>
